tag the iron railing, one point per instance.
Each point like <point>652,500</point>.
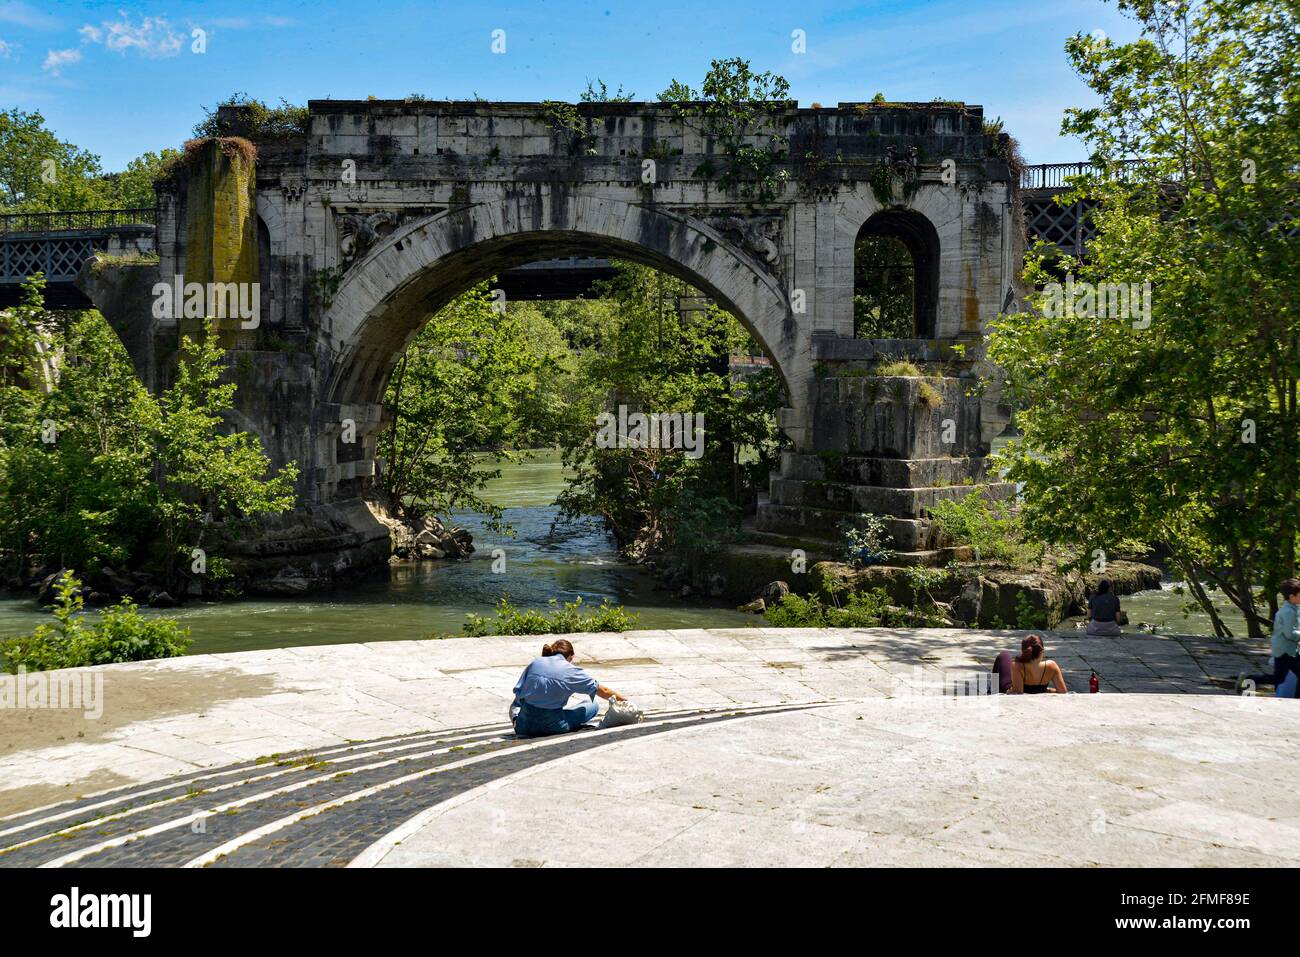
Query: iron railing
<point>1051,175</point>
<point>1055,175</point>
<point>74,220</point>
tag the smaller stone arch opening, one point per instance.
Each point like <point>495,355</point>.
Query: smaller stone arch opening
<point>895,276</point>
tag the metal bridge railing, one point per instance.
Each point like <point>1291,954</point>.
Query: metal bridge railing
<point>1051,175</point>
<point>1055,175</point>
<point>70,221</point>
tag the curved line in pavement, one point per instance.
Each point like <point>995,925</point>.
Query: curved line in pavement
<point>335,764</point>
<point>122,792</point>
<point>168,784</point>
<point>73,856</point>
<point>258,833</point>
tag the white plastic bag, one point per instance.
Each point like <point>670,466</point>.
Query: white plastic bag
<point>620,713</point>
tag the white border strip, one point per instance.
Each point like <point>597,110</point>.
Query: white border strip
<point>259,773</point>
<point>125,792</point>
<point>74,856</point>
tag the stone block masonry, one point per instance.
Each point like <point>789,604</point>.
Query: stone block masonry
<point>383,211</point>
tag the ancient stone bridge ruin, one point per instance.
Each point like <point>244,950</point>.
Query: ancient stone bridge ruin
<point>362,228</point>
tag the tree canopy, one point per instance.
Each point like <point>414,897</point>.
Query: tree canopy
<point>1173,424</point>
<point>41,173</point>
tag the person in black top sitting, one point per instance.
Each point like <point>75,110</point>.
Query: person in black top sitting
<point>1103,612</point>
<point>1028,672</point>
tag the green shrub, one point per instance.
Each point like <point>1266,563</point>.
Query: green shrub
<point>991,529</point>
<point>862,610</point>
<point>899,367</point>
<point>122,634</point>
<point>258,122</point>
<point>1028,616</point>
<point>564,619</point>
<point>864,540</point>
<point>921,579</point>
<point>928,396</point>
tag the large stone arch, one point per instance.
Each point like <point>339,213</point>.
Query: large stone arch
<point>385,299</point>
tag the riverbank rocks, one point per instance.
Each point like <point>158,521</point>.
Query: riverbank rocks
<point>744,571</point>
<point>421,539</point>
<point>984,595</point>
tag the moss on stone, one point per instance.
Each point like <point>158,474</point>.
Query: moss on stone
<point>221,221</point>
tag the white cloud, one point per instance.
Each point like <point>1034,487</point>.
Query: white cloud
<point>56,60</point>
<point>7,50</point>
<point>14,12</point>
<point>151,37</point>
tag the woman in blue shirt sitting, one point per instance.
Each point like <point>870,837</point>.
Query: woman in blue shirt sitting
<point>543,690</point>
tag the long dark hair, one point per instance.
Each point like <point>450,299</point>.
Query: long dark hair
<point>560,646</point>
<point>1031,649</point>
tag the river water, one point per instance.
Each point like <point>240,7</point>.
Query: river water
<point>426,598</point>
<point>433,597</point>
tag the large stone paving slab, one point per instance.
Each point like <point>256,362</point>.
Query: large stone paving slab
<point>165,717</point>
<point>1103,780</point>
<point>310,756</point>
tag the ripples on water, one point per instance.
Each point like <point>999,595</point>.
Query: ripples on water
<point>564,562</point>
<point>541,562</point>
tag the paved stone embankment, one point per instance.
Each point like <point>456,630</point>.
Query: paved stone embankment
<point>761,746</point>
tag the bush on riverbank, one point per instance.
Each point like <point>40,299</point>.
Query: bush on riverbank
<point>97,472</point>
<point>981,594</point>
<point>993,530</point>
<point>122,634</point>
<point>861,609</point>
<point>563,619</point>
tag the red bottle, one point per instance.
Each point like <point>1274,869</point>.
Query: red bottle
<point>1094,684</point>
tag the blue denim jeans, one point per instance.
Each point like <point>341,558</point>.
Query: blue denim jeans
<point>534,722</point>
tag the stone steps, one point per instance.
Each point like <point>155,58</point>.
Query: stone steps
<point>903,503</point>
<point>883,471</point>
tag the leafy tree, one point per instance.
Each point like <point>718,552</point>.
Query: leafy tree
<point>74,455</point>
<point>39,172</point>
<point>133,187</point>
<point>1176,425</point>
<point>205,474</point>
<point>734,107</point>
<point>94,470</point>
<point>884,278</point>
<point>657,358</point>
<point>465,385</point>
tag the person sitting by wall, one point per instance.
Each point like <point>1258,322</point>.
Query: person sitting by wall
<point>1104,612</point>
<point>1028,673</point>
<point>543,690</point>
<point>1286,634</point>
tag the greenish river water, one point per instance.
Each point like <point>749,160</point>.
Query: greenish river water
<point>434,597</point>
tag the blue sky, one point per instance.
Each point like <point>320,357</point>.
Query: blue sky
<point>120,77</point>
